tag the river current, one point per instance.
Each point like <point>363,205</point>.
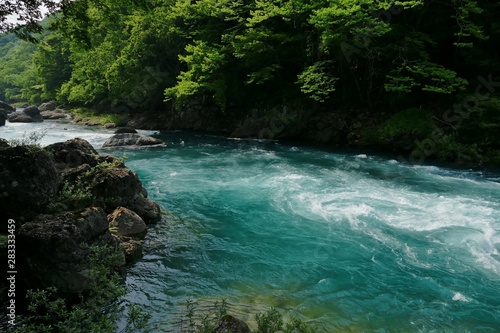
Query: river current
<point>351,242</point>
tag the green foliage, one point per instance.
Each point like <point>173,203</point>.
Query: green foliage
<point>76,195</point>
<point>269,322</point>
<point>196,321</point>
<point>411,121</point>
<point>426,76</point>
<point>381,55</point>
<point>52,65</point>
<point>272,322</point>
<point>203,61</point>
<point>448,149</point>
<point>15,67</point>
<point>91,116</point>
<point>317,82</point>
<point>79,194</point>
<point>4,240</point>
<point>97,311</point>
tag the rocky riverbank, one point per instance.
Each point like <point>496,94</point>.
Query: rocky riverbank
<point>65,199</point>
<point>416,135</point>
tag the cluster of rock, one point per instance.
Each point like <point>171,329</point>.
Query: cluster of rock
<point>65,199</point>
<point>31,114</point>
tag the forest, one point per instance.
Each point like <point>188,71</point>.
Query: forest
<point>414,76</point>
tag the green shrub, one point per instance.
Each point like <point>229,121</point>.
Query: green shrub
<point>97,311</point>
<point>92,116</point>
<point>409,121</point>
<point>32,140</point>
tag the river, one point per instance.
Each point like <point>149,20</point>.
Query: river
<point>349,242</point>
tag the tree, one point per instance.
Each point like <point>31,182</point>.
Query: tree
<point>23,16</point>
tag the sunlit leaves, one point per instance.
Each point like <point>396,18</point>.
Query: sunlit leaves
<point>317,81</point>
<point>203,61</point>
<point>425,76</point>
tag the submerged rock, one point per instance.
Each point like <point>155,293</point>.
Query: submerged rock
<point>56,249</point>
<point>131,139</point>
<point>29,115</point>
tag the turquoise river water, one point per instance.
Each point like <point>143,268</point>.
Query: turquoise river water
<point>349,242</point>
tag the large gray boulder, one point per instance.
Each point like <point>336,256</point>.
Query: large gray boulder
<point>29,115</point>
<point>131,139</point>
<point>147,209</point>
<point>28,181</point>
<point>55,249</point>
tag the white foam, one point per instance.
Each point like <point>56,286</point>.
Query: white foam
<point>459,297</point>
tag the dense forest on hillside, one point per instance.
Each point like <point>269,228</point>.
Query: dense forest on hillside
<point>398,73</point>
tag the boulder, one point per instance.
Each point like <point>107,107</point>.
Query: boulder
<point>55,249</point>
<point>131,139</point>
<point>48,106</point>
<point>73,153</point>
<point>115,187</point>
<point>132,248</point>
<point>125,130</point>
<point>110,125</point>
<point>230,324</point>
<point>147,209</point>
<point>28,181</point>
<point>127,223</point>
<point>7,107</point>
<point>55,114</point>
<point>29,115</point>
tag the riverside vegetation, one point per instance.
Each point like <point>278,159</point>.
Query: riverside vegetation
<point>415,77</point>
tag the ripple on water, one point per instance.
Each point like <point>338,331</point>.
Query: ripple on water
<point>351,243</point>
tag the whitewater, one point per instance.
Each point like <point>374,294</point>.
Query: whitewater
<point>350,242</point>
